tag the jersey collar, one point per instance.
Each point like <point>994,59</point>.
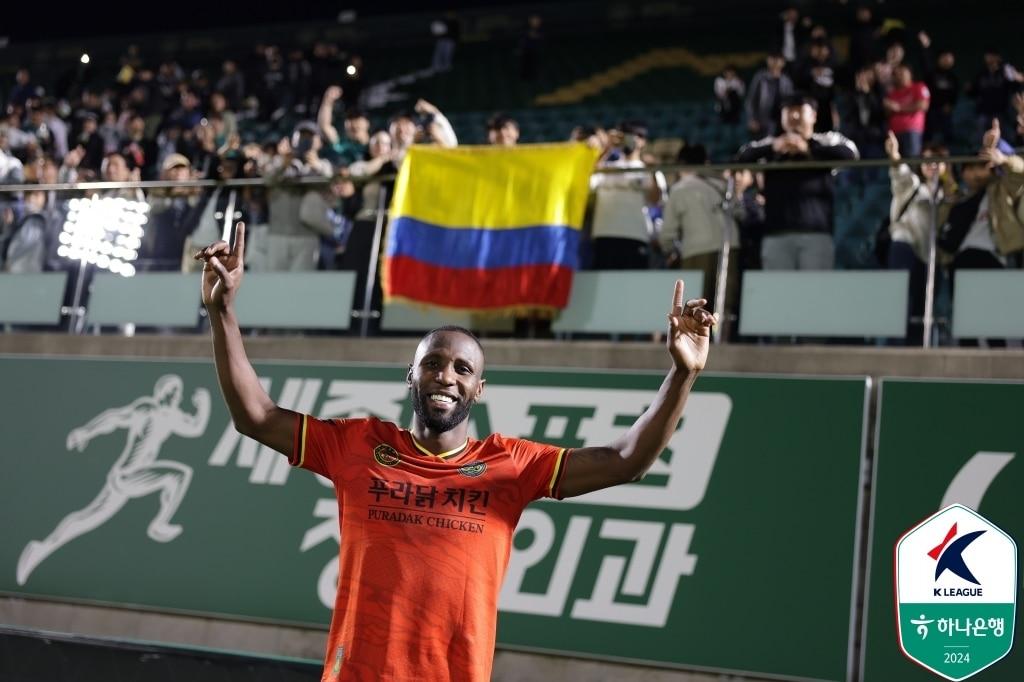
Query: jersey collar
<point>442,455</point>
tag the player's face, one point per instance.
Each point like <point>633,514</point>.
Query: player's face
<point>445,380</point>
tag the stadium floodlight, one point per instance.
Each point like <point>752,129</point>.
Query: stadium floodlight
<point>84,58</point>
<point>105,232</point>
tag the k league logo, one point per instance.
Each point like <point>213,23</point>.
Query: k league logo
<point>956,593</point>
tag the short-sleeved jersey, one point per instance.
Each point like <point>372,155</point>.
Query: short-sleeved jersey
<point>425,540</point>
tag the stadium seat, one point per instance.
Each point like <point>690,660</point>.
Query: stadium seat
<point>979,293</point>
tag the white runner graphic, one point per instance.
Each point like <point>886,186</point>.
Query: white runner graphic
<point>150,421</point>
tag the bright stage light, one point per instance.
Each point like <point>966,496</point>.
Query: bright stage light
<point>105,231</point>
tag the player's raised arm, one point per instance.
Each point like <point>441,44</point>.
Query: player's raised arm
<point>253,412</point>
<point>629,458</point>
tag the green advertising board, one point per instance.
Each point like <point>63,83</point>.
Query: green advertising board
<point>125,483</point>
<point>942,443</point>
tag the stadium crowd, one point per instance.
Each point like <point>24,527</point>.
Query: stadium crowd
<point>892,96</point>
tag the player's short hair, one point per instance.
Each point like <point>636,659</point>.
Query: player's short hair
<point>454,328</point>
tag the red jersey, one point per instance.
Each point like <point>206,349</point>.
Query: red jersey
<point>425,541</point>
<point>908,121</point>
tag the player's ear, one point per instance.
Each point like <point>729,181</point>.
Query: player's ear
<point>408,377</point>
<point>479,390</point>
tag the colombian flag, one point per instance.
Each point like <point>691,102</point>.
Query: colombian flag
<point>490,229</point>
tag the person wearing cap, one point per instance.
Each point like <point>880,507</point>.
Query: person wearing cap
<point>798,203</point>
<point>291,244</point>
<point>173,215</point>
<point>502,131</point>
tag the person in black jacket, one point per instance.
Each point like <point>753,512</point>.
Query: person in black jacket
<point>798,203</point>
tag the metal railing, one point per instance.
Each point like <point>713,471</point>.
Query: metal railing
<point>365,311</point>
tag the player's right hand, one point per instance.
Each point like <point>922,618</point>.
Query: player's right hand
<point>222,270</point>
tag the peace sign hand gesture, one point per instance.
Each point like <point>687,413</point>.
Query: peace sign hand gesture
<point>222,270</point>
<point>689,331</point>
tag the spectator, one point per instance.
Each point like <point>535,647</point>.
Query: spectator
<point>910,221</point>
<point>219,107</point>
<point>57,127</point>
<point>907,104</point>
<point>798,203</point>
<point>696,219</point>
<point>426,124</point>
<point>188,114</point>
<point>109,132</point>
<point>768,88</point>
<point>326,67</point>
<point>212,210</point>
<point>23,91</point>
<point>530,48</point>
<point>992,88</point>
<point>867,123</point>
<point>231,84</point>
<point>173,215</point>
<point>342,151</point>
<point>447,33</point>
<point>359,248</point>
<point>502,131</point>
<point>31,244</point>
<point>91,143</point>
<point>863,38</point>
<point>321,212</point>
<point>792,34</point>
<point>620,232</point>
<point>983,228</point>
<point>115,168</point>
<point>274,81</point>
<point>729,93</point>
<point>944,86</point>
<point>816,76</point>
<point>299,78</point>
<point>291,245</point>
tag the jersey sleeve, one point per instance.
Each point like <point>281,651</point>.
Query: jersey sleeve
<point>320,443</point>
<point>541,467</point>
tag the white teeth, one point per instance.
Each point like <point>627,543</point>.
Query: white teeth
<point>442,398</point>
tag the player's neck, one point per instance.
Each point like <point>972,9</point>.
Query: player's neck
<point>439,443</point>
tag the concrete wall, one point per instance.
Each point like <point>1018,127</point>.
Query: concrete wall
<point>509,666</point>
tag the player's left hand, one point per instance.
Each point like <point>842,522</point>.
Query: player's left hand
<point>76,440</point>
<point>689,331</point>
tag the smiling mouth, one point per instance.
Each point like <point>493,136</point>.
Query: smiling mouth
<point>441,399</point>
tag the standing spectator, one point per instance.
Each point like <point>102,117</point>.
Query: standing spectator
<point>729,93</point>
<point>863,38</point>
<point>907,104</point>
<point>342,151</point>
<point>792,34</point>
<point>696,218</point>
<point>24,90</point>
<point>326,67</point>
<point>321,212</point>
<point>31,245</point>
<point>910,218</point>
<point>299,77</point>
<point>530,47</point>
<point>867,123</point>
<point>173,215</point>
<point>290,244</point>
<point>798,203</point>
<point>768,88</point>
<point>502,131</point>
<point>447,33</point>
<point>944,86</point>
<point>91,142</point>
<point>219,107</point>
<point>620,229</point>
<point>231,83</point>
<point>425,125</point>
<point>983,228</point>
<point>816,76</point>
<point>359,249</point>
<point>992,88</point>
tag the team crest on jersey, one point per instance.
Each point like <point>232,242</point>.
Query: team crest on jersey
<point>473,469</point>
<point>386,455</point>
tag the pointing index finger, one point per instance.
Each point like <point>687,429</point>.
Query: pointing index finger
<point>240,239</point>
<point>677,298</point>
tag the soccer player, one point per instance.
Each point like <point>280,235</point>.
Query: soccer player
<point>427,515</point>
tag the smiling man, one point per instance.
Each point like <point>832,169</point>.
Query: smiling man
<point>427,514</point>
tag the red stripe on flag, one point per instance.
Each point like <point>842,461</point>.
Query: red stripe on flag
<point>477,288</point>
<point>936,551</point>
